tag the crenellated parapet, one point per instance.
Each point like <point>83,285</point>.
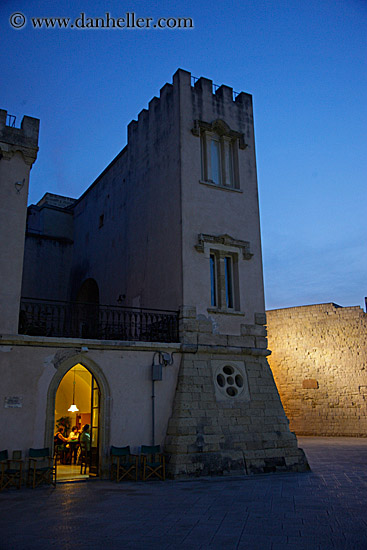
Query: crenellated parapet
<point>212,103</point>
<point>23,139</point>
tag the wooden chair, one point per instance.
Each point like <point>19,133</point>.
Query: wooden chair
<point>153,462</point>
<point>123,464</point>
<point>84,457</point>
<point>11,469</point>
<point>59,454</point>
<point>41,467</point>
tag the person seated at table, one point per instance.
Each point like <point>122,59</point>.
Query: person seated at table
<point>73,440</point>
<point>74,434</point>
<point>85,437</point>
<point>59,443</point>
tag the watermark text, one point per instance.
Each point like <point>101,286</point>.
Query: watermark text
<point>129,21</point>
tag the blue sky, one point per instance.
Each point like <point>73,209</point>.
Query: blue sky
<point>304,63</point>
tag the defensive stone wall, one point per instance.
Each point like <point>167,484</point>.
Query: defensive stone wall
<point>319,363</point>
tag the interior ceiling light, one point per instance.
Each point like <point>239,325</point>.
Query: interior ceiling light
<point>73,408</point>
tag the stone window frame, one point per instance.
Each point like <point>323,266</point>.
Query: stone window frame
<point>220,247</point>
<point>229,142</point>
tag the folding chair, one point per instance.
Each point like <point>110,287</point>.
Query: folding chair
<point>41,467</point>
<point>153,462</point>
<point>123,464</point>
<point>11,469</point>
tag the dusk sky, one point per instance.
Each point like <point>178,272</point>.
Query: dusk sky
<point>305,63</point>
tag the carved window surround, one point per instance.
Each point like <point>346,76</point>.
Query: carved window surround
<point>218,127</point>
<point>223,242</point>
<point>219,154</point>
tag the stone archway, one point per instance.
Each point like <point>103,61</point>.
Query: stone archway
<point>105,399</point>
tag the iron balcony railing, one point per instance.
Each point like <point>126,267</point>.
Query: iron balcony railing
<point>85,320</point>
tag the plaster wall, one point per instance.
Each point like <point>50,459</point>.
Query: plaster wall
<point>18,151</point>
<point>47,265</point>
<point>319,363</point>
<point>216,210</point>
<point>12,228</point>
<point>32,369</point>
<point>127,225</point>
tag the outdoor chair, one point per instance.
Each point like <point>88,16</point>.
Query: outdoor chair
<point>123,464</point>
<point>41,467</point>
<point>11,469</point>
<point>153,462</point>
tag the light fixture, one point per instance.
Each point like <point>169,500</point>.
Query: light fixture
<point>73,408</point>
<point>19,185</point>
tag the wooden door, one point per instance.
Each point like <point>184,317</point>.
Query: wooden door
<point>94,430</point>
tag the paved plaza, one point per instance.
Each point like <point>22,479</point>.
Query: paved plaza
<point>322,509</point>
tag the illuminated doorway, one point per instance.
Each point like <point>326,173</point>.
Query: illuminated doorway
<point>78,387</point>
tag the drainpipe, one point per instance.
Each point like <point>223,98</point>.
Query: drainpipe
<point>156,375</point>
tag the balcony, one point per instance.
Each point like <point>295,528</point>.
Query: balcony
<point>95,321</point>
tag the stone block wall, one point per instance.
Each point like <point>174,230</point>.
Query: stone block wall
<point>237,425</point>
<point>319,363</point>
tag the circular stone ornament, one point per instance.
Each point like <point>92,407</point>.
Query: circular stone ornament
<point>229,381</point>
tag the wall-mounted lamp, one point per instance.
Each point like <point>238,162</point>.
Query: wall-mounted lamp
<point>19,185</point>
<point>121,298</point>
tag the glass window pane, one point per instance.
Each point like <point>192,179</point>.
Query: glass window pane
<point>95,418</point>
<point>94,441</point>
<point>213,284</point>
<point>229,282</point>
<point>95,398</point>
<point>203,162</point>
<point>229,164</point>
<point>215,161</point>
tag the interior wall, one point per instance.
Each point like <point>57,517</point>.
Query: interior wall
<point>64,395</point>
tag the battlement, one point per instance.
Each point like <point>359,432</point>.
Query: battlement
<point>203,94</point>
<point>23,139</point>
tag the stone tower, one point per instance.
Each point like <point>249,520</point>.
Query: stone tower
<point>18,151</point>
<point>227,414</point>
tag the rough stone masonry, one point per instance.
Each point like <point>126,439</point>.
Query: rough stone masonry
<point>319,363</point>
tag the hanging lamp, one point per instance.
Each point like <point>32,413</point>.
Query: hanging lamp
<point>73,408</point>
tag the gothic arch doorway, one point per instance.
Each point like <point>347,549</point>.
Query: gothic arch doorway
<point>77,406</point>
<point>93,395</point>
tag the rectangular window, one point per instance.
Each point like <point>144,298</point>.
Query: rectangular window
<point>224,283</point>
<point>228,281</point>
<point>213,282</point>
<point>219,163</point>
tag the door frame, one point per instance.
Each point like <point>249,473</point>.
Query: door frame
<point>104,407</point>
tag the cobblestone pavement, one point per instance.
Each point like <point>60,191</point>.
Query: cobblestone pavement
<point>319,510</point>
